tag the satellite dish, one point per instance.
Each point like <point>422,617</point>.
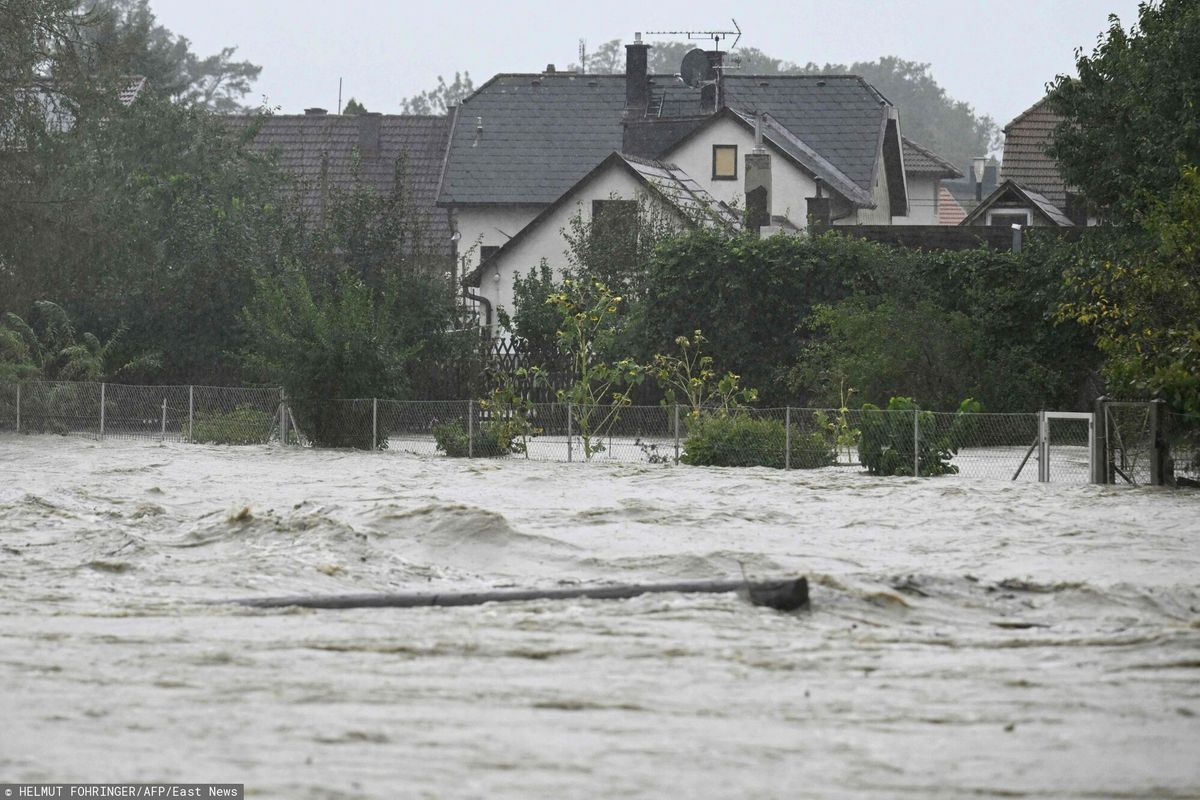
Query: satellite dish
<point>695,68</point>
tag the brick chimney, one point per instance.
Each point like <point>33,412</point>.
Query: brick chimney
<point>637,82</point>
<point>369,124</point>
<point>712,94</point>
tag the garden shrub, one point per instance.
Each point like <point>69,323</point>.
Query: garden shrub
<point>243,425</point>
<point>886,445</point>
<point>739,440</point>
<point>489,440</point>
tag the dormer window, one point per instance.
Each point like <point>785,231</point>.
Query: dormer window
<point>725,162</point>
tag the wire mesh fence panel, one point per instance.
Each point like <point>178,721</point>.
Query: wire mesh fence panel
<point>997,446</point>
<point>622,433</point>
<point>1129,442</point>
<point>421,426</point>
<point>232,415</point>
<point>145,412</point>
<point>10,394</point>
<point>1068,450</point>
<point>1181,434</point>
<point>61,407</point>
<point>547,438</point>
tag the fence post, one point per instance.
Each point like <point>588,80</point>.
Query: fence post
<point>18,408</point>
<point>162,432</point>
<point>282,417</point>
<point>471,428</point>
<point>374,423</point>
<point>1159,450</point>
<point>191,408</point>
<point>787,437</point>
<point>1043,448</point>
<point>916,443</point>
<point>102,411</point>
<point>676,432</point>
<point>569,453</point>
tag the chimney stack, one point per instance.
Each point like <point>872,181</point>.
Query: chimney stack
<point>758,181</point>
<point>368,133</point>
<point>637,82</point>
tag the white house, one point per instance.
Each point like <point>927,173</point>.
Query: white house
<point>781,151</point>
<point>653,187</point>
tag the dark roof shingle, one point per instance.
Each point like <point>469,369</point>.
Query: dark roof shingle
<point>528,138</point>
<point>920,160</point>
<point>317,147</point>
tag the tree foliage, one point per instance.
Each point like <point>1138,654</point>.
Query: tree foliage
<point>126,40</point>
<point>439,99</point>
<point>1132,117</point>
<point>1144,303</point>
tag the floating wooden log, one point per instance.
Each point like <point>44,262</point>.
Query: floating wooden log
<point>784,594</point>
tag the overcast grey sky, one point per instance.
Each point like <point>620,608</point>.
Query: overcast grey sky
<point>995,54</point>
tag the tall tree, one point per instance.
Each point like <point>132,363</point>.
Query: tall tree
<point>127,40</point>
<point>1132,117</point>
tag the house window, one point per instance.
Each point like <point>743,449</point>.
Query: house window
<point>725,162</point>
<point>1008,219</point>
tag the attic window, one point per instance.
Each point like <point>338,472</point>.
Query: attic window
<point>725,161</point>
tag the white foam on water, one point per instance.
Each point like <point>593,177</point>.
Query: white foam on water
<point>967,637</point>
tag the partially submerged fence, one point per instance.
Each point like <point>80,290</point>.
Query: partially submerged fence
<point>1135,443</point>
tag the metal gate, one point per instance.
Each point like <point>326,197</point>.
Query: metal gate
<point>1072,443</point>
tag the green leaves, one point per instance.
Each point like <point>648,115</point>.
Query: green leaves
<point>1131,115</point>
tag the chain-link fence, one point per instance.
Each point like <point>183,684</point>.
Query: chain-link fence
<point>1182,437</point>
<point>203,414</point>
<point>1026,447</point>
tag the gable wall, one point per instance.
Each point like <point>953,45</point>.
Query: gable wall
<point>546,240</point>
<point>488,225</point>
<point>922,201</point>
<point>789,186</point>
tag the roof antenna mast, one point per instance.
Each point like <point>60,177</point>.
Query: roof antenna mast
<point>716,36</point>
<point>696,69</point>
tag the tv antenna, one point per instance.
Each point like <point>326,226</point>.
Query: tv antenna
<point>716,36</point>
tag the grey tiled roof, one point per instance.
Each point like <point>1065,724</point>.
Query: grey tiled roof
<point>920,160</point>
<point>785,140</point>
<point>1025,158</point>
<point>308,145</point>
<point>542,133</point>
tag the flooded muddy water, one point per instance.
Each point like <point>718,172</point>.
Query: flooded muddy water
<point>966,638</point>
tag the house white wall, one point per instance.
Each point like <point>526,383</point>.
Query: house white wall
<point>488,225</point>
<point>882,213</point>
<point>790,187</point>
<point>922,201</point>
<point>545,241</point>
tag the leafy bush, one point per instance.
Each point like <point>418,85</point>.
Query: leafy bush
<point>887,440</point>
<point>243,425</point>
<point>489,440</point>
<point>738,440</point>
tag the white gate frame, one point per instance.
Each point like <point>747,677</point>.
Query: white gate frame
<point>1044,440</point>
